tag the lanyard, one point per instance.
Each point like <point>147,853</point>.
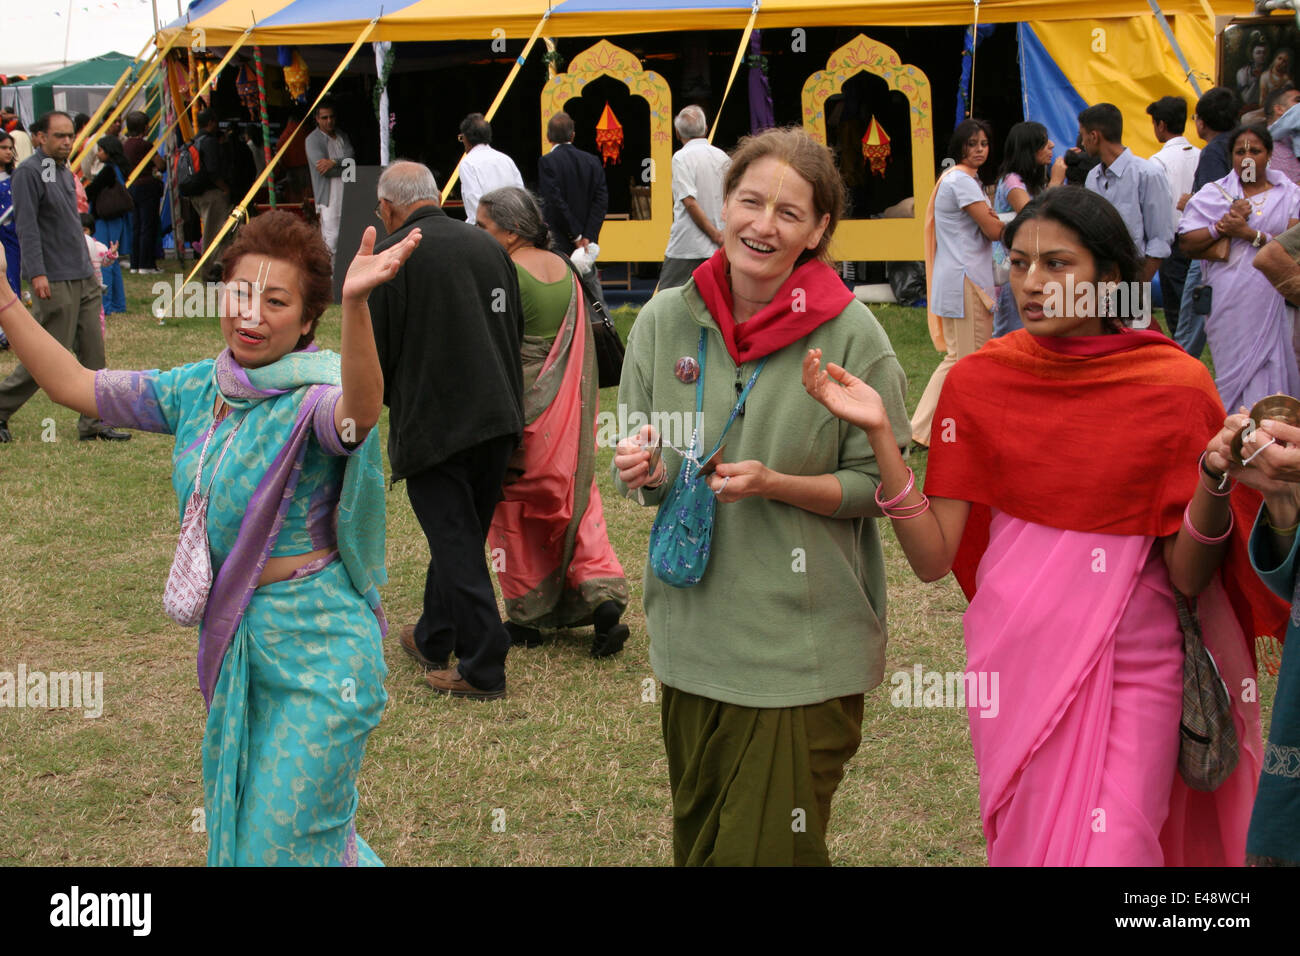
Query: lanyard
<point>699,402</point>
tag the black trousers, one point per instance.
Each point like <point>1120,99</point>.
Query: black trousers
<point>144,240</point>
<point>1173,275</point>
<point>453,502</point>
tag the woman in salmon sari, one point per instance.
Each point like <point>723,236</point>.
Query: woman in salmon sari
<point>558,569</point>
<point>1064,492</point>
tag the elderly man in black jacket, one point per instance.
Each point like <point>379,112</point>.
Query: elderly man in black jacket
<point>572,184</point>
<point>448,330</point>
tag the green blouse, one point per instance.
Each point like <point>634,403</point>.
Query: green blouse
<point>791,610</point>
<point>545,303</point>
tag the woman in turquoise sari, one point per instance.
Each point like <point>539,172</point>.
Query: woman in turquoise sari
<point>290,661</point>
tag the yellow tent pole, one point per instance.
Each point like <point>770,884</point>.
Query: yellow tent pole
<point>147,75</point>
<point>238,211</point>
<point>501,95</point>
<point>207,84</point>
<point>109,99</point>
<point>735,66</point>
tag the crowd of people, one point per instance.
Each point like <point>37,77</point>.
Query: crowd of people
<point>800,442</point>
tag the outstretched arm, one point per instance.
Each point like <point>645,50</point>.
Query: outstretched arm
<point>55,369</point>
<point>362,400</point>
<point>929,539</point>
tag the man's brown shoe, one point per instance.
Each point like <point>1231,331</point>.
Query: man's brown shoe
<point>450,682</point>
<point>408,644</point>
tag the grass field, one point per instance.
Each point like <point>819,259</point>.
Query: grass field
<point>572,756</point>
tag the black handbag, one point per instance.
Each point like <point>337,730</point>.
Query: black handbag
<point>609,347</point>
<point>114,202</point>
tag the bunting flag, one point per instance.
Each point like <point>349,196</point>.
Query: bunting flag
<point>875,147</point>
<point>609,136</point>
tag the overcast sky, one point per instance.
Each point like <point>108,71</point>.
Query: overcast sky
<point>33,32</point>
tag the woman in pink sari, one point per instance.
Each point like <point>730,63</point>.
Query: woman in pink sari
<point>548,540</point>
<point>1070,521</point>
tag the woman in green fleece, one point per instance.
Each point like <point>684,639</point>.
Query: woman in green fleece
<point>766,659</point>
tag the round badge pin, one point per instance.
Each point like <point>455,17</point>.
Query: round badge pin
<point>687,369</point>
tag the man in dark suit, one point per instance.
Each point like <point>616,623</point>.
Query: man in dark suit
<point>574,197</point>
<point>448,330</point>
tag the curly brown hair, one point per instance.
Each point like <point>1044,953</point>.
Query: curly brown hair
<point>807,157</point>
<point>282,235</point>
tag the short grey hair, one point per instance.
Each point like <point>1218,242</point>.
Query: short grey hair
<point>690,123</point>
<point>405,183</point>
<point>517,210</point>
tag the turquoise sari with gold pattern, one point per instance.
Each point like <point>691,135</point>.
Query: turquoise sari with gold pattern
<point>293,671</point>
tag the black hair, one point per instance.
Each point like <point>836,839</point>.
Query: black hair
<point>1097,225</point>
<point>42,124</point>
<point>137,122</point>
<point>116,154</point>
<point>1172,111</point>
<point>476,129</point>
<point>5,135</point>
<point>963,134</point>
<point>87,221</point>
<point>1218,108</point>
<point>326,103</point>
<point>1259,129</point>
<point>1020,155</point>
<point>1104,118</point>
<point>206,118</point>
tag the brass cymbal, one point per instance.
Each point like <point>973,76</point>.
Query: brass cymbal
<point>1277,408</point>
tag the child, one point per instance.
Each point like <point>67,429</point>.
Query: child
<point>101,256</point>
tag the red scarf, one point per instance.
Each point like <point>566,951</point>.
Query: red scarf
<point>812,296</point>
<point>1092,433</point>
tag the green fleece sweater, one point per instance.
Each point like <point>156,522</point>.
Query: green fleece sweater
<point>791,610</point>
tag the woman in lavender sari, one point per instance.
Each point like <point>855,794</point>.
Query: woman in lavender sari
<point>1249,325</point>
<point>290,661</point>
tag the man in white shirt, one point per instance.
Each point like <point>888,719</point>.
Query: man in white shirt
<point>698,172</point>
<point>483,169</point>
<point>1178,158</point>
<point>328,154</point>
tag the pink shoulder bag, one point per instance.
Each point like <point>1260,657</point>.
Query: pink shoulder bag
<point>186,596</point>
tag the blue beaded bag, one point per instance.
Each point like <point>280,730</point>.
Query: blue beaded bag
<point>683,528</point>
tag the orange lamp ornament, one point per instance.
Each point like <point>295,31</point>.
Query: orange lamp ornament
<point>609,136</point>
<point>875,148</point>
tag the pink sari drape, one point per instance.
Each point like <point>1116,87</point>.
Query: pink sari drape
<point>553,568</point>
<point>1079,765</point>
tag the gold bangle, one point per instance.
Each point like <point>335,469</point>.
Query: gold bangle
<point>1282,531</point>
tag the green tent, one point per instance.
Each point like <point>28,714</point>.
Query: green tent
<point>77,88</point>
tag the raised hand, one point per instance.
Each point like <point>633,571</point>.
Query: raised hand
<point>370,269</point>
<point>845,395</point>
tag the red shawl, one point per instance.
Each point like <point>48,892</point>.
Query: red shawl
<point>813,295</point>
<point>1091,433</point>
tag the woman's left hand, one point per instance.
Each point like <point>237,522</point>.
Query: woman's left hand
<point>1235,225</point>
<point>734,480</point>
<point>370,269</point>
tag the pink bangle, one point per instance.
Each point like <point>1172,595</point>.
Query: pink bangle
<point>1204,539</point>
<point>907,490</point>
<point>9,303</point>
<point>909,511</point>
